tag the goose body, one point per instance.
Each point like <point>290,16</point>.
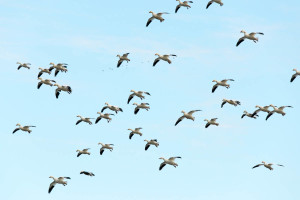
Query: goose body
<point>182,4</point>
<point>151,142</point>
<point>251,115</point>
<point>261,109</point>
<point>139,94</point>
<point>84,119</point>
<point>43,71</point>
<point>87,173</point>
<point>23,128</point>
<point>157,16</point>
<point>59,67</point>
<point>163,57</point>
<point>25,65</point>
<point>60,88</point>
<point>60,180</point>
<point>105,146</point>
<point>112,108</point>
<point>232,102</point>
<point>188,115</point>
<point>45,81</point>
<point>267,165</point>
<point>221,83</point>
<point>277,110</point>
<point>122,58</point>
<point>104,116</point>
<point>141,106</point>
<point>250,36</point>
<point>135,131</point>
<point>211,122</point>
<point>214,1</point>
<point>297,73</point>
<point>83,151</point>
<point>170,161</point>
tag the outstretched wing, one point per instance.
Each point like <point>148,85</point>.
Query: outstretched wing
<point>39,85</point>
<point>57,92</point>
<point>156,61</point>
<point>179,120</point>
<point>149,21</point>
<point>136,110</point>
<point>97,120</point>
<point>192,111</point>
<point>147,147</point>
<point>214,88</point>
<point>177,8</point>
<point>40,74</point>
<point>16,130</point>
<point>243,116</point>
<point>173,158</point>
<point>78,154</point>
<point>269,115</point>
<point>293,77</point>
<point>101,151</point>
<point>207,125</point>
<point>209,3</point>
<point>130,135</point>
<point>78,122</point>
<point>257,166</point>
<point>56,72</point>
<point>224,102</point>
<point>129,98</point>
<point>162,166</point>
<point>119,63</point>
<point>104,108</point>
<point>147,93</point>
<point>240,41</point>
<point>51,187</point>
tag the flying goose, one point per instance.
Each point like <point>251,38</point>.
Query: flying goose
<point>188,115</point>
<point>184,4</point>
<point>163,57</point>
<point>58,67</point>
<point>249,115</point>
<point>260,108</point>
<point>169,161</point>
<point>59,180</point>
<point>277,110</point>
<point>135,131</point>
<point>123,58</point>
<point>250,36</point>
<point>43,71</point>
<point>84,119</point>
<point>211,122</point>
<point>87,173</point>
<point>157,16</point>
<point>141,106</point>
<point>295,75</point>
<point>46,81</point>
<point>113,108</point>
<point>23,128</point>
<point>214,1</point>
<point>269,166</point>
<point>151,142</point>
<point>221,83</point>
<point>232,102</point>
<point>138,94</point>
<point>105,146</point>
<point>104,116</point>
<point>60,88</point>
<point>25,65</point>
<point>84,151</point>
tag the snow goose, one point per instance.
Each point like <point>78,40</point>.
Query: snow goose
<point>163,57</point>
<point>295,75</point>
<point>84,119</point>
<point>184,4</point>
<point>221,83</point>
<point>25,65</point>
<point>83,151</point>
<point>232,102</point>
<point>157,16</point>
<point>188,115</point>
<point>266,165</point>
<point>59,180</point>
<point>214,1</point>
<point>277,110</point>
<point>169,161</point>
<point>123,58</point>
<point>105,146</point>
<point>58,67</point>
<point>135,131</point>
<point>46,82</point>
<point>87,173</point>
<point>260,108</point>
<point>60,88</point>
<point>250,36</point>
<point>23,128</point>
<point>104,116</point>
<point>211,122</point>
<point>113,108</point>
<point>43,71</point>
<point>138,94</point>
<point>251,115</point>
<point>141,106</point>
<point>151,142</point>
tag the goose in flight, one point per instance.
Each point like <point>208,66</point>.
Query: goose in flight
<point>23,128</point>
<point>250,36</point>
<point>266,165</point>
<point>135,131</point>
<point>232,102</point>
<point>43,71</point>
<point>122,58</point>
<point>157,16</point>
<point>87,173</point>
<point>214,1</point>
<point>138,94</point>
<point>211,122</point>
<point>46,82</point>
<point>84,119</point>
<point>105,146</point>
<point>163,57</point>
<point>58,67</point>
<point>25,65</point>
<point>60,88</point>
<point>141,106</point>
<point>188,115</point>
<point>151,142</point>
<point>251,115</point>
<point>277,110</point>
<point>221,83</point>
<point>169,161</point>
<point>184,4</point>
<point>83,151</point>
<point>260,108</point>
<point>104,116</point>
<point>295,75</point>
<point>59,180</point>
<point>113,108</point>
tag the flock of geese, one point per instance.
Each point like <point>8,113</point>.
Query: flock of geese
<point>62,67</point>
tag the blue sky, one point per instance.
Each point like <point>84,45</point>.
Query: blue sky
<point>216,162</point>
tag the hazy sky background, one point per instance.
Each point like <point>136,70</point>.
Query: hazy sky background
<point>216,162</point>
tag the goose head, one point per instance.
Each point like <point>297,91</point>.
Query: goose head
<point>295,70</point>
<point>78,116</point>
<point>100,143</point>
<point>151,12</point>
<point>132,90</point>
<point>162,158</point>
<point>224,100</point>
<point>18,124</point>
<point>106,103</point>
<point>146,140</point>
<point>242,31</point>
<point>245,112</point>
<point>157,54</point>
<point>40,68</point>
<point>183,112</point>
<point>135,104</point>
<point>257,106</point>
<point>51,63</point>
<point>263,162</point>
<point>206,120</point>
<point>77,150</point>
<point>118,56</point>
<point>214,81</point>
<point>51,177</point>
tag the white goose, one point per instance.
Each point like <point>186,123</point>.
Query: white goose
<point>59,180</point>
<point>163,57</point>
<point>43,71</point>
<point>138,94</point>
<point>104,116</point>
<point>250,36</point>
<point>122,58</point>
<point>221,83</point>
<point>87,173</point>
<point>232,102</point>
<point>83,151</point>
<point>183,4</point>
<point>295,75</point>
<point>60,88</point>
<point>135,131</point>
<point>46,82</point>
<point>266,165</point>
<point>211,122</point>
<point>113,108</point>
<point>58,67</point>
<point>214,1</point>
<point>141,106</point>
<point>170,161</point>
<point>157,16</point>
<point>84,119</point>
<point>188,115</point>
<point>151,142</point>
<point>250,115</point>
<point>105,146</point>
<point>277,110</point>
<point>23,128</point>
<point>25,65</point>
<point>260,108</point>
